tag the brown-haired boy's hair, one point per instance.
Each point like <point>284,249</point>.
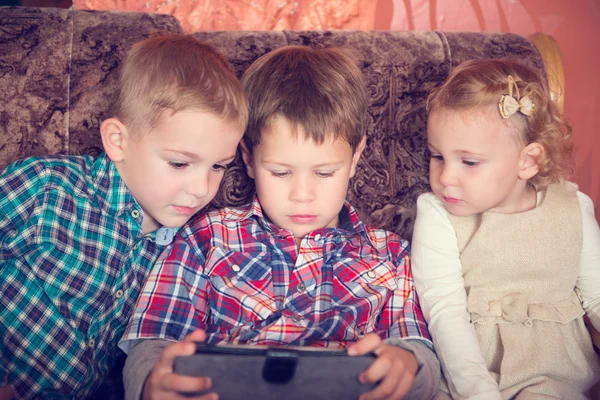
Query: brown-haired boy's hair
<point>176,72</point>
<point>323,91</point>
<point>481,83</point>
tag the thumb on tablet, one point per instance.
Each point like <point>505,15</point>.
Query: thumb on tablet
<point>184,348</point>
<point>197,336</point>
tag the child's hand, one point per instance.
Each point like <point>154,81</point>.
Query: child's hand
<point>394,367</point>
<point>162,383</point>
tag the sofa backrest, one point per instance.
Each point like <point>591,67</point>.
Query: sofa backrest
<point>58,72</point>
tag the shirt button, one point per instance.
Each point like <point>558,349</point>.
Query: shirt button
<point>317,237</point>
<point>235,268</point>
<point>296,318</point>
<point>135,214</point>
<point>371,274</point>
<point>119,294</point>
<point>91,343</point>
<point>301,287</point>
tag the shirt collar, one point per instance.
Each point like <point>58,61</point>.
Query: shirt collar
<point>112,194</point>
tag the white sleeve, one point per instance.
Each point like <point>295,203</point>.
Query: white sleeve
<point>440,286</point>
<point>588,281</point>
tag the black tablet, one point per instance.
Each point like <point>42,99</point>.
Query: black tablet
<point>269,373</point>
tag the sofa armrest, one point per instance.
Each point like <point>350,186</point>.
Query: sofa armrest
<point>550,52</point>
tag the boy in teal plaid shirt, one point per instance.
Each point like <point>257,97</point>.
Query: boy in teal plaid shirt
<point>78,235</point>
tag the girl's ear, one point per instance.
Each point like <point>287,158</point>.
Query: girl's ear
<point>114,138</point>
<point>247,157</point>
<point>529,160</point>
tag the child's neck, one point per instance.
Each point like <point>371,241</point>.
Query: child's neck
<point>523,200</point>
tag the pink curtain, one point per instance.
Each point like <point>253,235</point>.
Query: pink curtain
<point>574,24</point>
<point>204,15</point>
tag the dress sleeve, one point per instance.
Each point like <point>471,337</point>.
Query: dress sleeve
<point>588,281</point>
<point>440,286</point>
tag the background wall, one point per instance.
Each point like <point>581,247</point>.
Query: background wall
<point>575,24</point>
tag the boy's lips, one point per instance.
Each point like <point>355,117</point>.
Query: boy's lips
<point>185,210</point>
<point>303,218</point>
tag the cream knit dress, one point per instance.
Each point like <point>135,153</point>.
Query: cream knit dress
<point>520,272</point>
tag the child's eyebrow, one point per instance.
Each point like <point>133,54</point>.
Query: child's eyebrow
<point>184,153</point>
<point>329,164</point>
<point>471,153</point>
<point>196,157</point>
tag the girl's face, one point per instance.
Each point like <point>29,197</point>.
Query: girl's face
<point>476,161</point>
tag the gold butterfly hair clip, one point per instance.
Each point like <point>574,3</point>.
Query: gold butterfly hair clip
<point>509,105</point>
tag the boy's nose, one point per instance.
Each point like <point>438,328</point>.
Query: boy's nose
<point>302,190</point>
<point>199,186</point>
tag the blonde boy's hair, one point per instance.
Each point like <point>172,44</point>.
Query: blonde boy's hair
<point>176,72</point>
<point>481,83</point>
<point>323,91</point>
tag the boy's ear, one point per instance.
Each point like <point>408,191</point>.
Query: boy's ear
<point>114,138</point>
<point>247,157</point>
<point>357,154</point>
<point>529,161</point>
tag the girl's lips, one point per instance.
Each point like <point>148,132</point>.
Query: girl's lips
<point>451,200</point>
<point>303,219</point>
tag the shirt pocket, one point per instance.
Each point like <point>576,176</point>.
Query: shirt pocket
<point>241,288</point>
<point>361,288</point>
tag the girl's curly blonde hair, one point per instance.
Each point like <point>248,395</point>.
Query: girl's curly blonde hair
<point>481,83</point>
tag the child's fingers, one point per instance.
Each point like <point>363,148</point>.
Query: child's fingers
<point>376,371</point>
<point>164,365</point>
<point>197,336</point>
<point>182,383</point>
<point>394,369</point>
<point>369,343</point>
<point>395,384</point>
<point>184,348</point>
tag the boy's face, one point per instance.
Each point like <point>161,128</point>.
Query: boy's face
<point>175,169</point>
<point>301,185</point>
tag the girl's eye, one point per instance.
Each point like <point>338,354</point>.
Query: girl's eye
<point>279,174</point>
<point>437,157</point>
<point>470,163</point>
<point>178,165</point>
<point>325,174</point>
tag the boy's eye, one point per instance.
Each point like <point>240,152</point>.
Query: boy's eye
<point>325,174</point>
<point>278,174</point>
<point>470,163</point>
<point>220,167</point>
<point>437,157</point>
<point>178,165</point>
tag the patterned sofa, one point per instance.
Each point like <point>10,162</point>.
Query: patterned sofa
<point>58,71</point>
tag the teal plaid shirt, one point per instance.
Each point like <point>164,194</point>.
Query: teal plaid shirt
<point>72,262</point>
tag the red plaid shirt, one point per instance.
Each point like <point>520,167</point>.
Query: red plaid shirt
<point>240,278</point>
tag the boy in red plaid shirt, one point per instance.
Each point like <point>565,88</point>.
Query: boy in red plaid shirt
<point>296,266</point>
